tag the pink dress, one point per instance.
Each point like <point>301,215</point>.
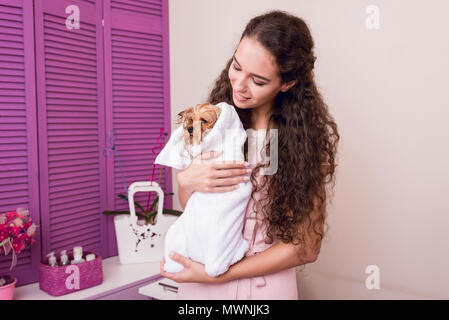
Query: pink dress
<point>275,286</point>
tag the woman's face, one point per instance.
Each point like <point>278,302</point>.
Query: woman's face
<point>254,76</point>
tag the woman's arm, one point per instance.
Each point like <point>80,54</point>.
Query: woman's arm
<point>276,258</point>
<point>184,194</point>
<point>279,256</point>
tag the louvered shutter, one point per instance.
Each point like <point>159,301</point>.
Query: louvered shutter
<point>69,65</point>
<point>18,143</point>
<point>137,94</point>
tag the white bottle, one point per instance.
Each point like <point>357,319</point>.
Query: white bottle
<point>52,259</point>
<point>77,255</point>
<point>64,258</point>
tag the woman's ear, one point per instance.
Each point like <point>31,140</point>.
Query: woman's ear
<point>286,86</point>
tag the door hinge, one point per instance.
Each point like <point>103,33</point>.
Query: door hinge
<point>102,22</point>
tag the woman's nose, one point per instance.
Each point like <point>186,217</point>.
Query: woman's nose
<point>240,85</point>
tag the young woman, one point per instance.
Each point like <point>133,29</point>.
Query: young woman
<point>270,81</point>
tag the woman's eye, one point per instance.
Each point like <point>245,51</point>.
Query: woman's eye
<point>256,83</point>
<point>205,121</point>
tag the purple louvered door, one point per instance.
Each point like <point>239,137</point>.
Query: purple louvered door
<point>18,132</point>
<point>54,130</point>
<point>70,91</point>
<point>137,95</point>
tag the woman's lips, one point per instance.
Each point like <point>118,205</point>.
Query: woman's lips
<point>240,97</point>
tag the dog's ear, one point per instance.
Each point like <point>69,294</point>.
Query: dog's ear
<point>180,117</point>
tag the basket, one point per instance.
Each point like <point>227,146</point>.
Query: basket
<point>61,280</point>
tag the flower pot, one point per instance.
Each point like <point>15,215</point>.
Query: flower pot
<point>7,291</point>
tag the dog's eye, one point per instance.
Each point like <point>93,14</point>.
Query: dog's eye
<point>204,120</point>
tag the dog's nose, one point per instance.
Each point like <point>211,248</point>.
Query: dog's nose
<point>190,129</point>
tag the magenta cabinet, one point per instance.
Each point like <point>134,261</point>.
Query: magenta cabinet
<point>19,176</point>
<point>64,91</point>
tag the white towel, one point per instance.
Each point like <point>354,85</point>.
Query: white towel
<point>210,229</point>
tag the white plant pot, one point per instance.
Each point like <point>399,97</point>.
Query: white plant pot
<point>142,243</point>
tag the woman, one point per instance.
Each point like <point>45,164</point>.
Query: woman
<point>270,81</point>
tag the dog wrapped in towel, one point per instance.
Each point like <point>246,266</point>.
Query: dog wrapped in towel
<point>210,229</point>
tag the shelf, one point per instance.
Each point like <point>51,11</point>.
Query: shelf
<point>116,277</point>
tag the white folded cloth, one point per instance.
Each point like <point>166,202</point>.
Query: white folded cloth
<point>210,229</point>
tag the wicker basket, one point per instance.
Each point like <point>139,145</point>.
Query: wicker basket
<point>61,280</point>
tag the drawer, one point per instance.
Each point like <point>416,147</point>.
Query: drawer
<point>163,289</point>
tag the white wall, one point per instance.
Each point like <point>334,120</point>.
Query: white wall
<point>388,90</point>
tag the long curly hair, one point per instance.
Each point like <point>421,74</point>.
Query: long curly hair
<point>295,199</point>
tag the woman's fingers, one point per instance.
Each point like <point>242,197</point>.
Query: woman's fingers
<point>210,155</point>
<point>230,165</point>
<point>221,164</point>
<point>223,189</point>
<point>179,258</point>
<point>171,276</point>
<point>161,266</point>
<point>229,182</point>
<point>218,176</point>
<point>231,173</point>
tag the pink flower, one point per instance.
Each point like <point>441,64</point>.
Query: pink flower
<point>18,227</point>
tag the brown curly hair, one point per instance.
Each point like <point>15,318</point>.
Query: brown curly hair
<point>307,133</point>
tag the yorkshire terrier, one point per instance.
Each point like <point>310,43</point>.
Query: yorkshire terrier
<point>197,122</point>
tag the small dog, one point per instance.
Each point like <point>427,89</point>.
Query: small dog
<point>197,122</point>
<point>210,229</point>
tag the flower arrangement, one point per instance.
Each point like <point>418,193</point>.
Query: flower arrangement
<point>17,231</point>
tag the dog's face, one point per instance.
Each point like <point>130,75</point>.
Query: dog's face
<point>197,121</point>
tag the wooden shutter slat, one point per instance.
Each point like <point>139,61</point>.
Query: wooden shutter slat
<point>80,211</point>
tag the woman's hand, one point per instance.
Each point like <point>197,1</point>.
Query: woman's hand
<point>192,272</point>
<point>217,176</point>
